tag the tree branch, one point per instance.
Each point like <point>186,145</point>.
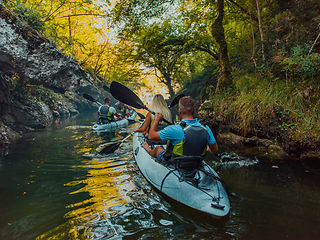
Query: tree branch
<point>313,45</point>
<point>245,11</point>
<point>77,15</point>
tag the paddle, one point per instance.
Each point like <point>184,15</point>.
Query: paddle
<point>141,115</point>
<point>106,88</point>
<point>114,146</point>
<point>125,95</point>
<point>176,100</point>
<point>90,98</point>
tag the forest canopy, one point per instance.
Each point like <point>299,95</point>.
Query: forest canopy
<point>128,40</point>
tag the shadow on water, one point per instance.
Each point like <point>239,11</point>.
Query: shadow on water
<point>53,185</point>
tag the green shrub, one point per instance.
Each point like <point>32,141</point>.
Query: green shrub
<point>294,108</point>
<point>28,15</point>
<point>299,65</point>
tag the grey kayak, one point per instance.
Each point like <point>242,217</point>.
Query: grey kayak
<point>209,196</point>
<point>112,126</point>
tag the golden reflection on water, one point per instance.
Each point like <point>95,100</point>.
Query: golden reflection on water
<point>107,183</point>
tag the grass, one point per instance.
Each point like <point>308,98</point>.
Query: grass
<point>293,107</point>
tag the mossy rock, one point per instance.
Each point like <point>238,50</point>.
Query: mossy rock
<point>311,156</point>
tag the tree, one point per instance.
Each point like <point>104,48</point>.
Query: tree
<point>217,30</point>
<point>130,15</point>
<point>159,48</point>
<point>111,62</point>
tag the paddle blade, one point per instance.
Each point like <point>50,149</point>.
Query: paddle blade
<point>125,95</point>
<point>88,97</point>
<point>106,88</point>
<point>175,101</point>
<point>110,148</point>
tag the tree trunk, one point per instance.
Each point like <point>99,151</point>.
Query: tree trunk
<point>225,79</point>
<point>69,21</point>
<point>253,40</point>
<point>261,32</point>
<point>167,82</point>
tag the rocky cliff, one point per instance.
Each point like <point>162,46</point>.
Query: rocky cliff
<point>37,81</point>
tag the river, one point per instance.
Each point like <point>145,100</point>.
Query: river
<point>54,186</point>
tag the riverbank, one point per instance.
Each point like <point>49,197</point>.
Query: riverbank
<point>276,118</point>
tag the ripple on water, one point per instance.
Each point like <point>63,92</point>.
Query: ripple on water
<point>122,203</point>
<point>231,159</point>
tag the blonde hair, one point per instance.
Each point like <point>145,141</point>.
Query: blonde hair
<point>160,105</point>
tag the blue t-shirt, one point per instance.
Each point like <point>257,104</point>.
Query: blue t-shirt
<point>175,133</point>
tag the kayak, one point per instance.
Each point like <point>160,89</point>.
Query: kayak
<point>112,126</point>
<point>209,195</point>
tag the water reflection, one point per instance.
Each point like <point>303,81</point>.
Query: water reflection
<point>107,183</point>
<point>57,187</point>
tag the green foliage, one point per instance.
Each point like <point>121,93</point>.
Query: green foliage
<point>159,47</point>
<point>30,16</point>
<point>129,15</point>
<point>299,65</point>
<point>200,85</point>
<point>38,93</point>
<point>289,39</point>
<point>293,108</point>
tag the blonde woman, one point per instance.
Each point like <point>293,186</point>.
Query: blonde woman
<point>158,105</point>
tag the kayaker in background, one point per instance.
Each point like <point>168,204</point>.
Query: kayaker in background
<point>107,113</point>
<point>158,105</point>
<point>123,109</point>
<point>188,138</point>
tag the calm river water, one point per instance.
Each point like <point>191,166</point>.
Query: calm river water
<point>54,186</point>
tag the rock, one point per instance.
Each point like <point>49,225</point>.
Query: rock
<point>311,155</point>
<point>37,59</point>
<point>276,151</point>
<point>30,114</point>
<point>29,59</point>
<point>231,139</point>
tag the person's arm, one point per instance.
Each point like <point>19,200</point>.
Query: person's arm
<point>113,111</point>
<point>153,132</point>
<point>145,125</point>
<point>213,148</point>
<point>128,110</point>
<point>212,144</point>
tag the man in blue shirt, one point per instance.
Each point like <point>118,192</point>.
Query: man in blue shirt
<point>175,134</point>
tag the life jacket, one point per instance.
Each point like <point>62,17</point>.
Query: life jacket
<point>194,142</point>
<point>123,112</point>
<point>187,156</point>
<point>121,109</point>
<point>160,126</point>
<point>105,113</point>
